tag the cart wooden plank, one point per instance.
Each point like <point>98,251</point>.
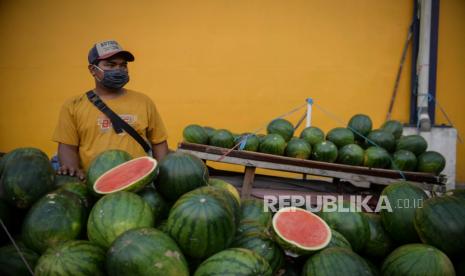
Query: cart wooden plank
<point>351,173</point>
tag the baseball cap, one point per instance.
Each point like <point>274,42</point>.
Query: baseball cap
<point>106,49</point>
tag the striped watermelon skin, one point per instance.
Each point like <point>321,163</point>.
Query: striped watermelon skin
<point>352,225</point>
<point>399,223</point>
<point>77,258</point>
<point>11,263</point>
<point>247,226</point>
<point>26,178</point>
<point>336,261</point>
<point>441,223</point>
<point>145,251</point>
<point>156,201</point>
<point>201,223</point>
<point>264,246</point>
<point>338,240</point>
<point>234,261</point>
<point>55,218</point>
<point>116,213</point>
<point>379,243</point>
<point>180,173</point>
<point>417,259</point>
<point>253,210</point>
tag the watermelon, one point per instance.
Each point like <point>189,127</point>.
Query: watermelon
<point>263,245</point>
<point>404,160</point>
<point>414,143</point>
<point>80,258</point>
<point>379,243</point>
<point>441,223</point>
<point>254,210</point>
<point>222,138</point>
<point>312,135</point>
<point>338,240</point>
<point>209,131</point>
<point>102,163</point>
<point>249,226</point>
<point>394,127</point>
<point>352,225</point>
<point>251,141</point>
<point>20,152</point>
<point>403,198</point>
<point>273,144</point>
<point>351,154</point>
<point>324,151</point>
<point>11,263</point>
<point>376,157</point>
<point>145,251</point>
<point>116,213</point>
<point>132,175</point>
<point>336,261</point>
<point>340,136</point>
<point>195,134</point>
<point>202,223</point>
<point>417,259</point>
<point>225,185</point>
<point>281,127</point>
<point>431,162</point>
<point>27,176</point>
<point>55,218</point>
<point>298,148</point>
<point>157,203</point>
<point>62,179</point>
<point>299,231</point>
<point>382,139</point>
<point>360,125</point>
<point>234,261</point>
<point>180,173</point>
<point>80,190</point>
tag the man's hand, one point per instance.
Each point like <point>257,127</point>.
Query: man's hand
<point>65,170</point>
<point>68,156</point>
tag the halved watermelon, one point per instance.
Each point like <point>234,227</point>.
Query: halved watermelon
<point>300,231</point>
<point>132,175</point>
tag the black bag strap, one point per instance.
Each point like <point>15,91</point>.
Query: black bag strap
<point>118,124</point>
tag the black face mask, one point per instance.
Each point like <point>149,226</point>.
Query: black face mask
<point>113,79</point>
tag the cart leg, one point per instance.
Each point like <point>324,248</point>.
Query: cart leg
<point>249,176</point>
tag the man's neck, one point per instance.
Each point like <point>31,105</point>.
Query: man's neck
<point>106,93</point>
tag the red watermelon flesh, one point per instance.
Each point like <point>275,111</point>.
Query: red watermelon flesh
<point>300,231</point>
<point>129,176</point>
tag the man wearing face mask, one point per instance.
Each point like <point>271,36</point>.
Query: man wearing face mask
<point>83,131</point>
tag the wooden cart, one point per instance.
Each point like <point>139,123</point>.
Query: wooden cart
<point>361,176</point>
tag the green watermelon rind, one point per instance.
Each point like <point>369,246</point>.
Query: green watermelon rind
<point>134,186</point>
<point>116,213</point>
<point>145,251</point>
<point>78,258</point>
<point>440,223</point>
<point>292,246</point>
<point>195,134</point>
<point>234,261</point>
<point>55,218</point>
<point>417,259</point>
<point>281,127</point>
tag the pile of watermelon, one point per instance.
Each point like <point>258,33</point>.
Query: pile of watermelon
<point>357,144</point>
<point>143,217</point>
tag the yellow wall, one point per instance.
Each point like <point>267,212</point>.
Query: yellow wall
<point>231,64</point>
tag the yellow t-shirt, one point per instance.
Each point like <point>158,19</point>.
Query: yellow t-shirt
<point>81,124</point>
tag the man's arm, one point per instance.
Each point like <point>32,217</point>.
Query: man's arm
<point>68,156</point>
<point>160,150</point>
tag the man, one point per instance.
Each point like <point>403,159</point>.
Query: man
<point>83,131</point>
